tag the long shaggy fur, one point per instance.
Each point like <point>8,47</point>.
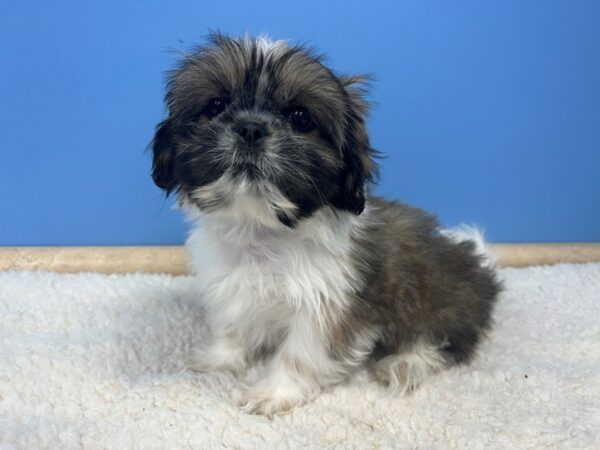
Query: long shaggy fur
<point>300,268</point>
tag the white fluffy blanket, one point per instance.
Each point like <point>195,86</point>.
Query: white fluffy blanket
<point>95,361</point>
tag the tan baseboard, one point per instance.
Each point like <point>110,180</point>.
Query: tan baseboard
<point>173,259</point>
<point>521,255</point>
<point>167,259</point>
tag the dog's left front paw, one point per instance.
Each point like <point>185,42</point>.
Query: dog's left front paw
<point>270,400</point>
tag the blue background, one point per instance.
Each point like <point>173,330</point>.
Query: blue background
<point>488,113</point>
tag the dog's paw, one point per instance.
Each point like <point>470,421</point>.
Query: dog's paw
<point>404,372</point>
<point>270,400</point>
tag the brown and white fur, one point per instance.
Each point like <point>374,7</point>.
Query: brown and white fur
<point>298,266</point>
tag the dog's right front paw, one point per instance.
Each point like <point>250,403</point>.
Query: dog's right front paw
<point>270,400</point>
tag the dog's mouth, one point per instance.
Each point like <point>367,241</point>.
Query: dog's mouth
<point>250,163</point>
<point>249,169</point>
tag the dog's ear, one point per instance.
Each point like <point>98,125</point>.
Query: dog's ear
<point>163,156</point>
<point>359,167</point>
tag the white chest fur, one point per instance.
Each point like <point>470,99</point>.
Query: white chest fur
<point>258,279</point>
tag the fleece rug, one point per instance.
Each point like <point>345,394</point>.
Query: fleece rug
<point>96,361</point>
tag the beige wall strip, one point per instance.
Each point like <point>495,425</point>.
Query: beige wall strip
<point>173,260</point>
<point>520,255</point>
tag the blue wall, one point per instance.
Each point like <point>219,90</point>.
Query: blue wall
<point>489,113</point>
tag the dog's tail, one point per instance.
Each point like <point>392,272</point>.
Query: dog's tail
<point>465,232</point>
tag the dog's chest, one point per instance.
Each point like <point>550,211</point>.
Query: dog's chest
<point>272,271</point>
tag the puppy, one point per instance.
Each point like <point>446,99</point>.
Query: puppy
<point>299,267</point>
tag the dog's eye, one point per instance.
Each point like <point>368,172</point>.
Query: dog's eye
<point>300,119</point>
<point>214,107</point>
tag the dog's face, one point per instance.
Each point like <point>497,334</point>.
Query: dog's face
<point>262,130</point>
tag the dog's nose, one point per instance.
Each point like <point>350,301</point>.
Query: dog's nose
<point>251,131</point>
